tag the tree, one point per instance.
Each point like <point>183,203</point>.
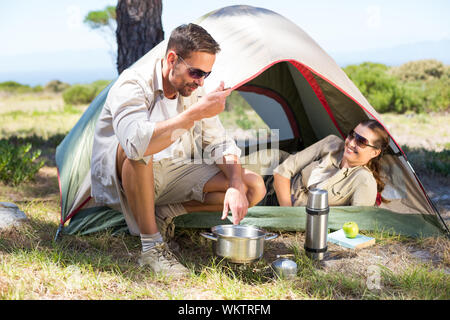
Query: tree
<point>139,29</point>
<point>134,27</point>
<point>104,21</point>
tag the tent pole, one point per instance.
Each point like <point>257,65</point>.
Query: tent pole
<point>61,226</point>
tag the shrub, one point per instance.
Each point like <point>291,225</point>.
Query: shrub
<point>418,86</point>
<point>17,163</point>
<point>79,94</point>
<point>381,89</point>
<point>14,87</point>
<point>235,99</point>
<point>56,86</point>
<point>84,93</point>
<point>18,88</point>
<point>99,85</point>
<point>420,70</point>
<point>426,161</point>
<point>243,120</point>
<point>437,94</point>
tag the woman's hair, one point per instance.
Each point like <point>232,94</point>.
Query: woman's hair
<point>382,143</point>
<point>189,38</point>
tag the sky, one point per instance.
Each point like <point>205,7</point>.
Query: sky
<point>48,38</point>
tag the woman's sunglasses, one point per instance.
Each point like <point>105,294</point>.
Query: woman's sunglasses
<point>360,140</point>
<point>194,72</point>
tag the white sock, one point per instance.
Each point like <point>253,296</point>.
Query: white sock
<point>150,240</point>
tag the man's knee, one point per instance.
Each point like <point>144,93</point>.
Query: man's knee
<point>122,160</point>
<point>256,186</point>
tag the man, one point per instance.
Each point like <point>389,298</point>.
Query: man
<point>155,120</point>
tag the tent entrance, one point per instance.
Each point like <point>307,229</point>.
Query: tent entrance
<point>289,97</point>
<point>307,108</point>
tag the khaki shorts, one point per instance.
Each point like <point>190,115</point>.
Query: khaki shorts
<point>177,181</point>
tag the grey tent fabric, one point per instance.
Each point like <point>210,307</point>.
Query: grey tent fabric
<point>264,57</point>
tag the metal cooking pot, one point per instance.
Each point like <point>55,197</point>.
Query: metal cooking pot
<point>238,243</point>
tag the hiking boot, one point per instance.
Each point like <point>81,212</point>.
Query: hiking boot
<point>165,215</point>
<point>162,261</point>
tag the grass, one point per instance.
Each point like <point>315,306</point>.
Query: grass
<point>430,130</point>
<point>432,161</point>
<point>102,266</point>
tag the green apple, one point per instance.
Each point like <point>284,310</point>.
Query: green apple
<point>350,229</point>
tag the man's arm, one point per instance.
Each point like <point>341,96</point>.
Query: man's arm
<point>235,196</point>
<point>166,132</point>
<point>296,162</point>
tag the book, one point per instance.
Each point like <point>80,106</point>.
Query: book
<point>358,242</point>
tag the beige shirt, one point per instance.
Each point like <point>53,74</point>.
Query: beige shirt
<point>126,119</point>
<point>164,109</point>
<point>318,166</point>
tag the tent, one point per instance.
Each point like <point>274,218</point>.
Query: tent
<point>294,86</point>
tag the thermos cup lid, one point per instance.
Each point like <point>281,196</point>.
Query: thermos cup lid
<point>317,199</point>
<point>284,268</point>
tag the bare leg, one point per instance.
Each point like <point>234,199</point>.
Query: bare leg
<point>217,186</point>
<point>213,202</point>
<point>138,184</point>
<point>137,181</point>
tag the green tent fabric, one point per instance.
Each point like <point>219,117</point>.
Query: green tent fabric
<point>271,218</point>
<point>296,88</point>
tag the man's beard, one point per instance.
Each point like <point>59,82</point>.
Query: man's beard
<point>185,89</point>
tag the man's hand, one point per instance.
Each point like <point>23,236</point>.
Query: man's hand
<point>236,194</point>
<point>211,104</point>
<point>236,201</point>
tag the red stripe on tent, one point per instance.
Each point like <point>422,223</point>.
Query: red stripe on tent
<point>361,106</point>
<point>298,64</point>
<point>355,101</point>
<point>77,209</point>
<point>318,91</point>
<point>60,195</point>
<point>60,201</point>
<point>306,72</point>
<point>272,94</point>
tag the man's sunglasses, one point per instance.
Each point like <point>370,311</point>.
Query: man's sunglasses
<point>194,72</point>
<point>360,140</point>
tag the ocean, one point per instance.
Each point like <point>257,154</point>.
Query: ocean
<point>34,78</point>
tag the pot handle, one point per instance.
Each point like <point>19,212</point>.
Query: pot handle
<point>208,235</point>
<point>270,236</point>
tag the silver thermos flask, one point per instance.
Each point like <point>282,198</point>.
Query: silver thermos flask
<point>316,224</point>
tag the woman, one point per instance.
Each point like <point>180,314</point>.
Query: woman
<point>349,170</point>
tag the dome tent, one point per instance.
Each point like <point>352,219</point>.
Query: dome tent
<point>295,87</point>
